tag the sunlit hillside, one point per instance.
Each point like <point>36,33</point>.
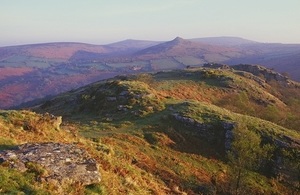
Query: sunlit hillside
<point>210,130</point>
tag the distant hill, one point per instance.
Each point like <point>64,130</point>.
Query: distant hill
<point>281,57</point>
<point>34,71</point>
<point>181,47</point>
<point>62,51</point>
<point>224,41</point>
<point>133,44</point>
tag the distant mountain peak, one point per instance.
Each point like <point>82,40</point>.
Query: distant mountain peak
<point>178,39</point>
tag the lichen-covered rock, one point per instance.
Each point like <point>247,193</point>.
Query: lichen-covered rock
<point>63,163</point>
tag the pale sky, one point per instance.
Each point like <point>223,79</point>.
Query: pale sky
<point>107,21</point>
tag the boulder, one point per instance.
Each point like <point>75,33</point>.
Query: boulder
<point>63,163</point>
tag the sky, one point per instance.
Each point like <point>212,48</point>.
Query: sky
<point>107,21</point>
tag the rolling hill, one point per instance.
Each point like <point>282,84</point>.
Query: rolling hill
<point>209,130</point>
<point>181,47</point>
<point>28,72</point>
<point>131,44</point>
<point>60,51</point>
<point>224,41</point>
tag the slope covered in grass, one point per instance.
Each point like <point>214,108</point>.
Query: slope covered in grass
<point>194,131</point>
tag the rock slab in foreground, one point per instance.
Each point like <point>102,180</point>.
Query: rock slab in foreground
<point>64,163</point>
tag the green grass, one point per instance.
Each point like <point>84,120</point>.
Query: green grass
<point>14,182</point>
<point>95,189</point>
<point>6,143</point>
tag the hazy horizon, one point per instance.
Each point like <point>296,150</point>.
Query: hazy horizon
<point>36,43</point>
<point>104,22</point>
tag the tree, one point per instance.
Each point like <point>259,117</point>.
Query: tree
<point>246,154</point>
<point>291,167</point>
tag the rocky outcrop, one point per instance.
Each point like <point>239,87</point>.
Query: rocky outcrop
<point>228,129</point>
<point>202,129</point>
<point>216,66</point>
<point>207,130</point>
<point>248,75</point>
<point>256,70</point>
<point>62,163</point>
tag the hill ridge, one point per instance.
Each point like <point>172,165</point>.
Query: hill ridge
<point>41,69</point>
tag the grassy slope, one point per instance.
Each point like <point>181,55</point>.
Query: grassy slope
<point>141,149</point>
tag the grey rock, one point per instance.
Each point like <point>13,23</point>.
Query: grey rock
<point>111,99</point>
<point>64,163</point>
<point>229,136</point>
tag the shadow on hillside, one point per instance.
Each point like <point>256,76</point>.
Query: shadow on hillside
<point>7,147</point>
<point>186,138</point>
